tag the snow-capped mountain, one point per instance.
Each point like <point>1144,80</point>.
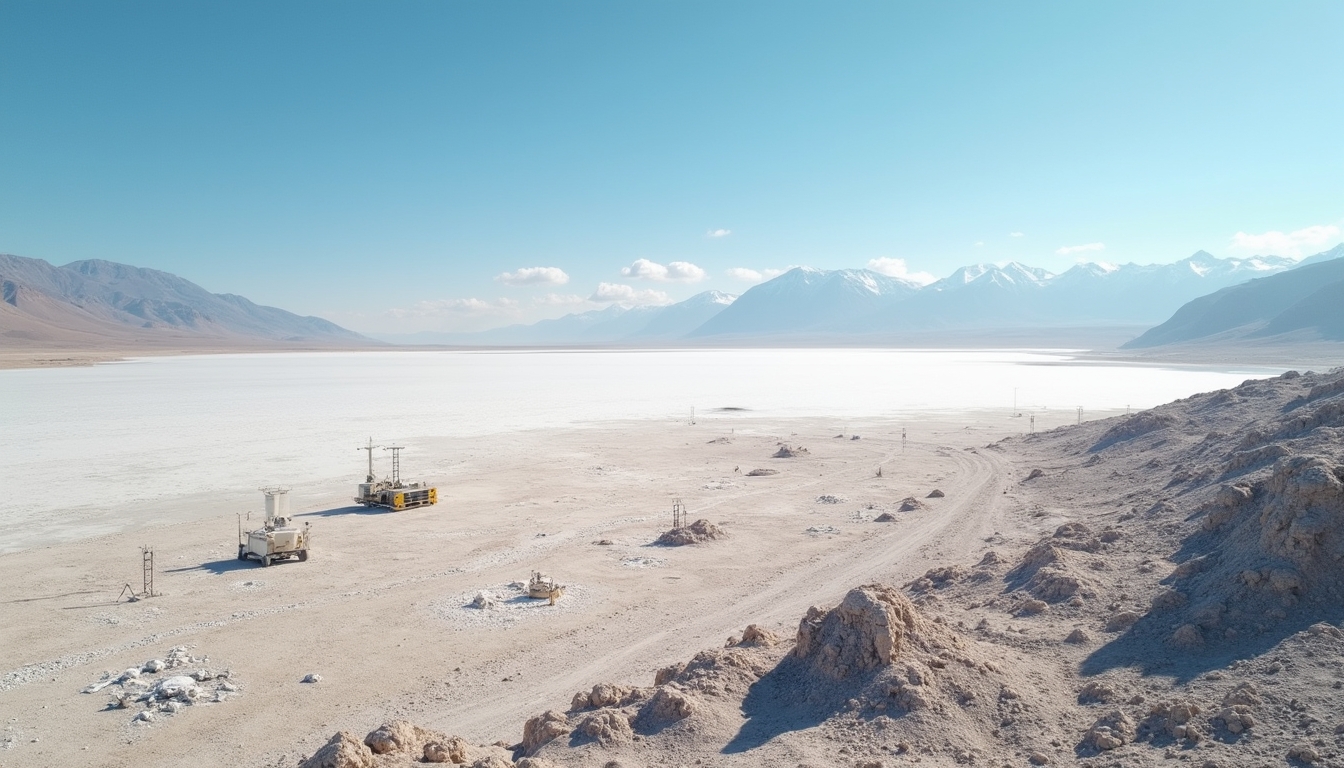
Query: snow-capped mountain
<point>1308,301</point>
<point>983,296</point>
<point>806,299</point>
<point>856,302</point>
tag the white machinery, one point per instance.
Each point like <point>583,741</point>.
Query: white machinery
<point>278,538</point>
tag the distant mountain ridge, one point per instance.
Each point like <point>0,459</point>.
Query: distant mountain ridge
<point>98,300</point>
<point>855,303</point>
<point>1307,301</point>
<point>858,301</point>
<point>613,324</point>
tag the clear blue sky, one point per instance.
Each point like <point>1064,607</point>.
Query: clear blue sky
<point>382,163</point>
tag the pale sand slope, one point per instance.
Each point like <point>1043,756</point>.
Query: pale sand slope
<point>1178,599</point>
<point>377,609</point>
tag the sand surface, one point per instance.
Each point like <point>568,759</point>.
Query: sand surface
<point>378,611</point>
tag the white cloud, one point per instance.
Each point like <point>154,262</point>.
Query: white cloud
<point>1017,234</point>
<point>897,268</point>
<point>718,233</point>
<point>617,293</point>
<point>1296,244</point>
<point>471,307</point>
<point>558,300</point>
<point>1086,248</point>
<point>534,276</point>
<point>979,242</point>
<point>677,271</point>
<point>748,275</point>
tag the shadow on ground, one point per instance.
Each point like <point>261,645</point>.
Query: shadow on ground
<point>789,698</point>
<point>351,510</point>
<point>225,566</point>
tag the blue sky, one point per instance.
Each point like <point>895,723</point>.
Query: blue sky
<point>385,164</point>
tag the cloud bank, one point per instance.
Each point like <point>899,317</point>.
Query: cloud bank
<point>534,276</point>
<point>897,268</point>
<point>747,275</point>
<point>675,272</point>
<point>469,307</point>
<point>617,293</point>
<point>1299,243</point>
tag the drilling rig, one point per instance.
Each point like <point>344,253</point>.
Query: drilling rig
<point>391,492</point>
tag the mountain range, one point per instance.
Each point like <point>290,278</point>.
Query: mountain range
<point>102,302</point>
<point>816,304</point>
<point>1307,302</point>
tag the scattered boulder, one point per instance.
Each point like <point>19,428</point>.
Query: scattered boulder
<point>668,705</point>
<point>1305,753</point>
<point>937,578</point>
<point>484,601</point>
<point>182,687</point>
<point>1174,719</point>
<point>827,498</point>
<point>935,494</point>
<point>762,472</point>
<point>607,727</point>
<point>756,635</point>
<point>866,631</point>
<point>311,677</point>
<point>1096,692</point>
<point>400,737</point>
<point>542,729</point>
<point>696,533</point>
<point>1035,473</point>
<point>606,695</point>
<point>1236,718</point>
<point>342,751</point>
<point>1109,732</point>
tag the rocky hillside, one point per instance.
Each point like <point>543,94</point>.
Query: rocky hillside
<point>1182,602</point>
<point>1307,301</point>
<point>105,301</point>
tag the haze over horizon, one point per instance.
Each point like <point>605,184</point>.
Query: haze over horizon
<point>444,167</point>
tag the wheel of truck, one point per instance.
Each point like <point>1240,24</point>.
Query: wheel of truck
<point>242,552</point>
<point>265,561</point>
<point>303,555</point>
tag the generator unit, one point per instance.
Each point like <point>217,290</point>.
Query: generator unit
<point>278,538</point>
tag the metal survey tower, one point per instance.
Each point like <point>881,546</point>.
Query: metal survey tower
<point>369,448</point>
<point>396,463</point>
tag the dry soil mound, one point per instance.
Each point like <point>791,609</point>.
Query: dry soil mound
<point>696,533</point>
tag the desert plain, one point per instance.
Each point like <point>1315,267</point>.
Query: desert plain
<point>1136,589</point>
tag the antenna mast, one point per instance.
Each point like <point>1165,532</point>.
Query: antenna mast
<point>369,448</point>
<point>396,463</point>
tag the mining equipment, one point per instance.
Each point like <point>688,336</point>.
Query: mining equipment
<point>392,493</point>
<point>543,587</point>
<point>278,538</point>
